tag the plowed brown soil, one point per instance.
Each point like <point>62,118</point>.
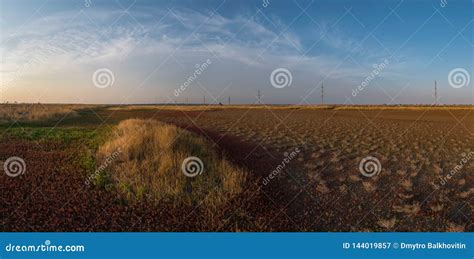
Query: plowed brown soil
<point>320,190</point>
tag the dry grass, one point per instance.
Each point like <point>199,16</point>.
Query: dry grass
<point>387,223</point>
<point>149,163</point>
<point>452,227</point>
<point>36,112</point>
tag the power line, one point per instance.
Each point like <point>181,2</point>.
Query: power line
<point>322,94</point>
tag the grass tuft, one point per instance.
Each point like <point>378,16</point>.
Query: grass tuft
<point>148,166</point>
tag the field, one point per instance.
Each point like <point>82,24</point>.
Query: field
<point>266,168</point>
<point>34,112</point>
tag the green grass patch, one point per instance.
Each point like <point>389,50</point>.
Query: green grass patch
<point>92,137</point>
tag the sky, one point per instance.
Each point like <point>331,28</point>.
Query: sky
<point>143,51</point>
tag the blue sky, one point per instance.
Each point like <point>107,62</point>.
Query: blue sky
<point>51,49</point>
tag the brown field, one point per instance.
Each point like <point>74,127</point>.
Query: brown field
<point>214,107</point>
<point>425,183</point>
<point>416,150</point>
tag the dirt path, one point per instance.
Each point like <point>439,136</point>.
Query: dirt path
<point>280,202</point>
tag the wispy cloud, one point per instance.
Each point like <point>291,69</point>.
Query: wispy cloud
<point>158,48</point>
<point>88,38</point>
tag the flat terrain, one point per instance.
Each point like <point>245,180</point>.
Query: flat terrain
<point>312,154</point>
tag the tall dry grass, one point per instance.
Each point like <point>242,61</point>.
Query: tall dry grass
<point>148,166</point>
<point>35,112</point>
